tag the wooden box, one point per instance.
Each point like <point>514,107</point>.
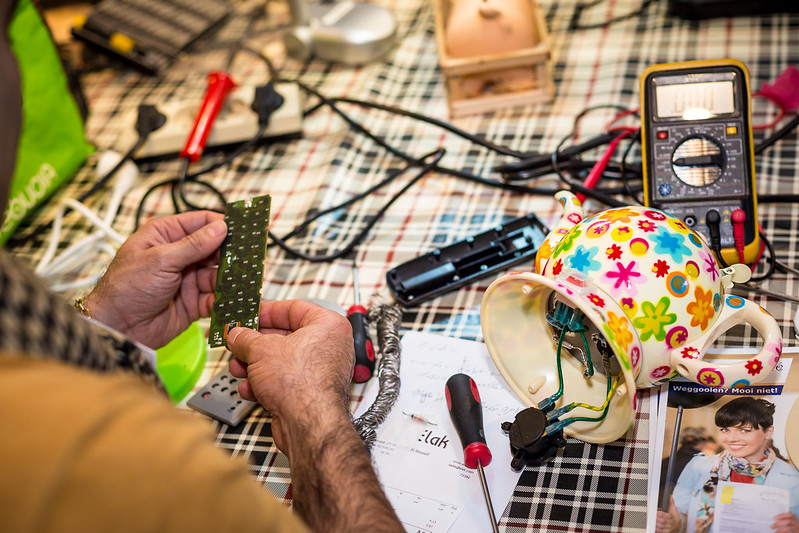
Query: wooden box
<point>463,74</point>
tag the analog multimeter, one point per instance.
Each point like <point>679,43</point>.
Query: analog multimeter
<point>698,155</point>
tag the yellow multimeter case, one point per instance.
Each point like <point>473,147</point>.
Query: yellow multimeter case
<point>698,153</point>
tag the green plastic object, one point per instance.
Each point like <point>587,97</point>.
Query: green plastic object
<point>181,362</point>
<point>53,144</point>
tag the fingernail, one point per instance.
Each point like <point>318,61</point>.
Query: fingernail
<point>217,228</point>
<point>232,334</point>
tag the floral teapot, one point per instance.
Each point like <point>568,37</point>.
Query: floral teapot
<point>648,293</point>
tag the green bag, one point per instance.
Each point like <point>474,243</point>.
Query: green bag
<point>53,143</point>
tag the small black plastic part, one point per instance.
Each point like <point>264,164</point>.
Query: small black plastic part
<point>265,102</point>
<point>463,262</point>
<point>528,441</point>
<point>148,119</point>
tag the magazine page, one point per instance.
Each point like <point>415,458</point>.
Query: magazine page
<point>708,477</point>
<point>657,412</point>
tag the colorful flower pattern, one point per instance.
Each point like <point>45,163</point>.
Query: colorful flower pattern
<point>655,319</point>
<point>660,274</point>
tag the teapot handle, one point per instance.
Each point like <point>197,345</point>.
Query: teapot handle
<point>687,359</point>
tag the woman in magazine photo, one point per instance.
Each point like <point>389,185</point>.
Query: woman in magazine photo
<point>745,427</point>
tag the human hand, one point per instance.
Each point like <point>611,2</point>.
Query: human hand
<point>785,523</point>
<point>298,366</point>
<point>668,522</point>
<point>162,278</point>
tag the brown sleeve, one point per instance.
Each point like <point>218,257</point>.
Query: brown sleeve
<point>83,451</point>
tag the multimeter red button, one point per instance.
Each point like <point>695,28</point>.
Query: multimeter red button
<point>664,189</point>
<point>663,135</point>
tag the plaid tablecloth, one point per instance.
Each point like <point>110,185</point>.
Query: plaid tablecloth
<point>586,487</point>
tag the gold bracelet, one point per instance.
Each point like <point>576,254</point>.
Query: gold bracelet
<point>82,308</point>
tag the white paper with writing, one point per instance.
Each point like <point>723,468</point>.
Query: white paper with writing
<point>743,507</point>
<point>420,463</point>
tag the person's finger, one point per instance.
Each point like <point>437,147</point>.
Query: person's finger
<point>205,304</point>
<point>196,246</point>
<point>206,279</point>
<point>237,368</point>
<point>243,341</point>
<point>784,522</point>
<point>291,315</point>
<point>186,223</point>
<point>246,392</point>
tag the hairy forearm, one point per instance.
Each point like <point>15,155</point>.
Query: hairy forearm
<point>334,485</point>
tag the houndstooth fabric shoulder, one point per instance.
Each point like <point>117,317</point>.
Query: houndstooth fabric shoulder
<point>40,324</point>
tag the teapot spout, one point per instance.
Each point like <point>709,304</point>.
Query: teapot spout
<point>572,215</point>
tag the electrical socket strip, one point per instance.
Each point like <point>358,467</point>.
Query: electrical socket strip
<point>235,124</point>
<point>220,400</point>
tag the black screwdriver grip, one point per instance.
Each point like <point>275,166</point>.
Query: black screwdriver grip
<point>466,411</point>
<point>364,350</point>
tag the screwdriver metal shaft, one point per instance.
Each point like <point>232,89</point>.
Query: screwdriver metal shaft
<point>487,496</point>
<point>463,402</point>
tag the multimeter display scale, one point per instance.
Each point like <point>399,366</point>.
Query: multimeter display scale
<point>698,153</point>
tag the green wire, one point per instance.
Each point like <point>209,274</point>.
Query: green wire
<point>605,407</point>
<point>589,370</point>
<point>559,393</point>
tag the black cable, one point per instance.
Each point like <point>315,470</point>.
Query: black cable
<point>460,174</point>
<point>577,166</point>
<point>140,208</point>
<point>777,198</point>
<point>510,170</point>
<point>305,223</point>
<point>635,139</point>
<point>578,11</point>
<point>777,135</point>
<point>426,167</point>
<point>476,139</point>
<point>772,260</point>
<point>561,155</point>
<point>174,182</point>
<point>598,195</point>
<point>182,173</point>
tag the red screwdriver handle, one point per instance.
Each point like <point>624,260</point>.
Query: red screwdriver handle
<point>219,86</point>
<point>463,403</point>
<point>364,351</point>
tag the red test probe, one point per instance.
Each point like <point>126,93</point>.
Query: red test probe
<point>738,217</point>
<point>364,351</point>
<point>596,171</point>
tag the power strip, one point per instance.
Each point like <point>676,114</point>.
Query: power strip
<point>235,124</point>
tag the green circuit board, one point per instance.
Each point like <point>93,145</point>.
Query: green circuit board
<point>241,268</point>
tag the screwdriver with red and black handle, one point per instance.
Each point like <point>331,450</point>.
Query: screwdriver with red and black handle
<point>466,411</point>
<point>364,350</point>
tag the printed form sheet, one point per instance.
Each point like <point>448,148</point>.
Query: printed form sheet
<point>420,462</point>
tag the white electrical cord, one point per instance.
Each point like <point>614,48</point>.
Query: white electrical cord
<point>59,270</point>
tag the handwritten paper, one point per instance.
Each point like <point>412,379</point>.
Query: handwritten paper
<point>418,455</point>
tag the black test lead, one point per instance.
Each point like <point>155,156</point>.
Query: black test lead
<point>364,351</point>
<point>463,403</point>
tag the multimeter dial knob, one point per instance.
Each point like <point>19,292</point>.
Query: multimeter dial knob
<point>698,161</point>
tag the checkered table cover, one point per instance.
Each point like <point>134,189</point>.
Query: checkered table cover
<point>586,487</point>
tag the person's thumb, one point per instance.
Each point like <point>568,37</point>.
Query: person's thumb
<point>242,343</point>
<point>198,245</point>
